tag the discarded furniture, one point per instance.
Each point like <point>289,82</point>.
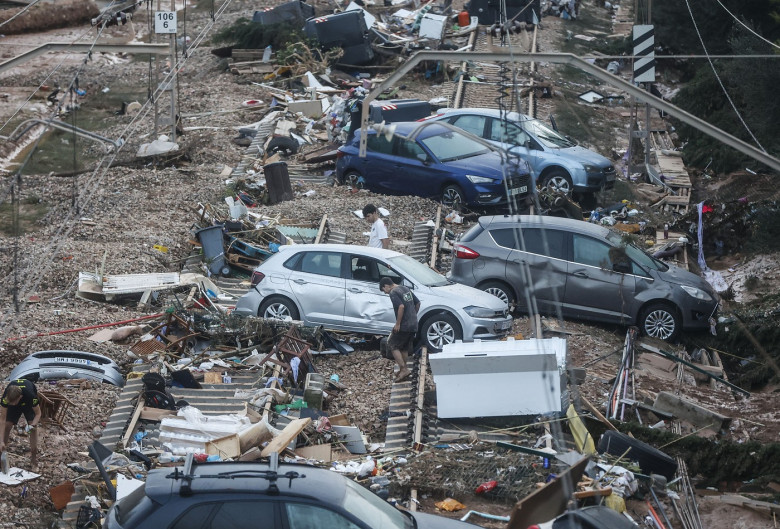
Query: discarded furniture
<point>54,407</point>
<point>292,346</point>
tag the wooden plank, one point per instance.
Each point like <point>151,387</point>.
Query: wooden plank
<point>155,414</point>
<point>319,452</point>
<point>597,413</point>
<point>760,506</point>
<point>418,412</point>
<point>275,385</point>
<point>321,230</point>
<point>290,432</point>
<point>133,421</point>
<point>435,245</point>
<point>225,447</point>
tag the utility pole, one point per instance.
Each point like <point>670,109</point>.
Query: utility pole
<point>643,37</point>
<point>165,22</point>
<point>175,74</point>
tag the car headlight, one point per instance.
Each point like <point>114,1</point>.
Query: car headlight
<point>591,168</point>
<point>479,179</point>
<point>697,293</point>
<point>479,312</point>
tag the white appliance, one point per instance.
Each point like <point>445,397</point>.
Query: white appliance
<point>495,379</point>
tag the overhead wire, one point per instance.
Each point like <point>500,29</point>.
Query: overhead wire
<point>88,190</point>
<point>42,83</point>
<point>553,403</point>
<point>24,9</point>
<point>725,92</point>
<point>746,26</point>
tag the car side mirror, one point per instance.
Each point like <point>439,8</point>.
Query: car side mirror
<point>622,268</point>
<point>424,158</point>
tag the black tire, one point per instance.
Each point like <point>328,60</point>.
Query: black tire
<point>650,459</point>
<point>353,179</point>
<point>452,196</point>
<point>439,330</point>
<point>660,320</point>
<point>278,308</point>
<point>558,180</point>
<point>280,144</point>
<point>501,290</point>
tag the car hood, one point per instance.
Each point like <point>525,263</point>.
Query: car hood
<point>488,164</point>
<point>678,276</point>
<point>468,296</point>
<point>583,155</point>
<point>431,521</point>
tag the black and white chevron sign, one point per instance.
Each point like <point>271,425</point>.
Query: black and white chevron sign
<point>644,57</point>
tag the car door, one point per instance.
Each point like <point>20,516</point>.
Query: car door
<point>412,171</point>
<point>378,167</point>
<point>367,309</point>
<point>536,265</point>
<point>595,290</point>
<point>319,287</point>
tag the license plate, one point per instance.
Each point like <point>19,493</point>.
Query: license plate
<point>71,360</point>
<point>504,325</point>
<point>518,190</point>
<point>610,177</point>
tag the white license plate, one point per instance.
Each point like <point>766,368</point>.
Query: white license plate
<point>71,360</point>
<point>518,190</point>
<point>504,325</point>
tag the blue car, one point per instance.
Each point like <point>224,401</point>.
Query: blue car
<point>557,162</point>
<point>437,161</point>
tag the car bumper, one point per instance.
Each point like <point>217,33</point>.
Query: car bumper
<point>696,316</point>
<point>595,182</point>
<point>486,328</point>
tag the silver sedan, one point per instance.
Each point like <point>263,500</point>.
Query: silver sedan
<point>337,286</point>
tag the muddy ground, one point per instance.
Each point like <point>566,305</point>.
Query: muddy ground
<point>125,211</point>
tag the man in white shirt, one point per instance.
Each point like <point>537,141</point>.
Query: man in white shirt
<point>378,237</point>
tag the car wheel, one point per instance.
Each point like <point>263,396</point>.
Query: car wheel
<point>439,330</point>
<point>650,459</point>
<point>354,180</point>
<point>452,196</point>
<point>501,290</point>
<point>659,320</point>
<point>280,144</point>
<point>558,181</point>
<point>278,309</point>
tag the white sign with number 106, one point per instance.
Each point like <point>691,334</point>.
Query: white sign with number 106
<point>165,21</point>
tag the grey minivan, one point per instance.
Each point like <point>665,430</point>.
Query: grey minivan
<point>586,270</point>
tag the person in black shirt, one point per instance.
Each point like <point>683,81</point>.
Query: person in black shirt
<point>20,398</point>
<point>401,340</point>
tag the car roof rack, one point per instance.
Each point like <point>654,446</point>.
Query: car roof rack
<point>186,475</point>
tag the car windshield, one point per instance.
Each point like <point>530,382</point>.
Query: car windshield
<point>418,271</point>
<point>547,136</point>
<point>637,255</point>
<point>365,505</point>
<point>452,145</point>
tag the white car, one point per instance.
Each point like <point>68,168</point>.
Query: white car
<point>337,286</point>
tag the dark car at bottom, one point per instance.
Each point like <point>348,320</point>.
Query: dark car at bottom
<point>260,495</point>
